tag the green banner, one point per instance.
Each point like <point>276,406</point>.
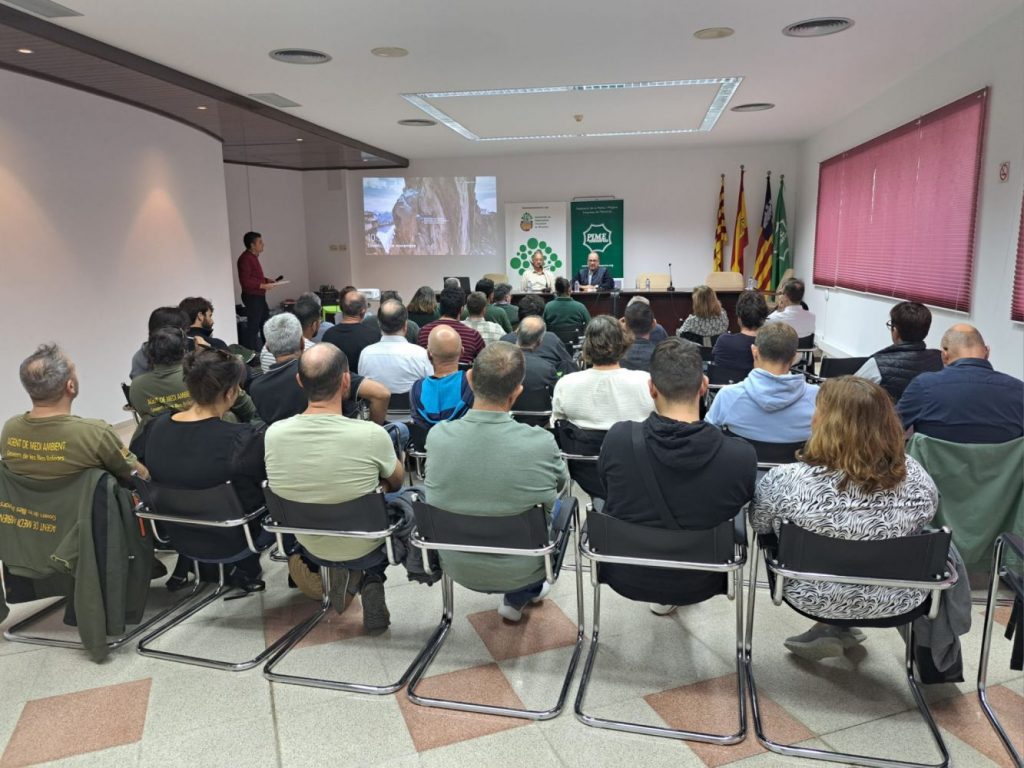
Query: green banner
<point>597,226</point>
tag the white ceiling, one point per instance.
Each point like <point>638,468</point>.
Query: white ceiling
<point>480,44</point>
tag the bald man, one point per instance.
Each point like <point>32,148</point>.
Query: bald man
<point>539,373</point>
<point>446,395</point>
<point>967,401</point>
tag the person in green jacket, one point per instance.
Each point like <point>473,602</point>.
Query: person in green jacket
<point>564,309</point>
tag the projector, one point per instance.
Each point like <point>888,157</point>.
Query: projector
<point>372,294</point>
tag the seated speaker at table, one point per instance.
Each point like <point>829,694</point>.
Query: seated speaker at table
<point>594,277</point>
<point>537,278</point>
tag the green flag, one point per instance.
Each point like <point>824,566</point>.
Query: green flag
<point>782,255</point>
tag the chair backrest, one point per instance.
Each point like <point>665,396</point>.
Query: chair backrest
<point>399,401</point>
<point>724,281</point>
<point>533,407</point>
<point>126,390</point>
<point>919,557</point>
<point>366,513</point>
<point>464,366</point>
<point>840,366</point>
<point>582,442</point>
<point>609,536</point>
<point>418,436</point>
<point>805,342</point>
<point>569,334</point>
<point>525,530</point>
<point>718,374</point>
<point>774,453</point>
<point>659,281</point>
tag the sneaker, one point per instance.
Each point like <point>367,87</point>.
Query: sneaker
<point>542,594</point>
<point>849,636</point>
<point>308,583</point>
<point>338,592</point>
<point>662,609</point>
<point>819,642</point>
<point>509,612</point>
<point>376,616</point>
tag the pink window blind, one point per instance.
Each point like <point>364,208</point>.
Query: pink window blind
<point>1018,276</point>
<point>896,215</point>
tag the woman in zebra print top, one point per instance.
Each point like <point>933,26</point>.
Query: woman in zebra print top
<point>853,481</point>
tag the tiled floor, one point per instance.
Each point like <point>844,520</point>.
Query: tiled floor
<point>677,670</point>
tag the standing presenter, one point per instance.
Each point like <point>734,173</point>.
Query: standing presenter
<point>254,290</point>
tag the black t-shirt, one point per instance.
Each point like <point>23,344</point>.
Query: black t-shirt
<point>705,478</point>
<point>352,339</point>
<point>638,356</point>
<point>732,350</point>
<point>278,396</point>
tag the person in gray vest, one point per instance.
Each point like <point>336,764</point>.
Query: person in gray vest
<point>896,366</point>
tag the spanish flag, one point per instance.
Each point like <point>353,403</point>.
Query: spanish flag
<point>739,233</point>
<point>763,262</point>
<point>721,237</point>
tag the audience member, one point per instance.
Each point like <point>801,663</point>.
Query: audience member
<point>967,401</point>
<point>199,312</point>
<point>551,347</point>
<point>540,374</point>
<point>493,313</point>
<point>771,404</point>
<point>393,361</point>
<point>594,277</point>
<point>896,366</point>
<point>48,442</point>
<point>524,468</point>
<point>451,302</point>
<point>423,307</point>
<point>161,317</point>
<point>708,317</point>
<point>195,448</point>
<point>639,320</point>
<point>503,301</point>
<point>322,457</point>
<point>652,470</point>
<point>308,314</point>
<point>537,278</point>
<point>852,481</point>
<point>412,329</point>
<point>163,388</point>
<point>476,303</point>
<point>445,395</point>
<point>789,308</point>
<point>606,393</point>
<point>564,310</point>
<point>325,325</point>
<point>658,333</point>
<point>732,350</point>
<point>352,335</point>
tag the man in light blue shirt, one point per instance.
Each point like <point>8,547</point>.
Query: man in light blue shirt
<point>771,405</point>
<point>393,361</point>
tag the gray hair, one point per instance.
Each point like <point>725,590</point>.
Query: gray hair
<point>283,333</point>
<point>45,373</point>
<point>312,296</point>
<point>777,342</point>
<point>530,332</point>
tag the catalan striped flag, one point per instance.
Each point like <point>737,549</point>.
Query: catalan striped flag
<point>721,236</point>
<point>739,232</point>
<point>763,262</point>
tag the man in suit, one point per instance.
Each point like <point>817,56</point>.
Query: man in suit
<point>594,277</point>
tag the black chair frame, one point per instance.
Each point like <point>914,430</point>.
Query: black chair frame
<point>722,549</point>
<point>1015,581</point>
<point>522,534</point>
<point>181,502</point>
<point>913,562</point>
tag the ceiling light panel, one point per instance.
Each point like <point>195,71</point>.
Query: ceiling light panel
<point>721,90</point>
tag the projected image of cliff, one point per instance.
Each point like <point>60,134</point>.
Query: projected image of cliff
<point>431,216</point>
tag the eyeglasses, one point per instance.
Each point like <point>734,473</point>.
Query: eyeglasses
<point>889,325</point>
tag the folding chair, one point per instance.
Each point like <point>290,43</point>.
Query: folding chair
<point>580,450</point>
<point>192,519</point>
<point>416,452</point>
<point>771,455</point>
<point>524,534</point>
<point>805,351</point>
<point>533,407</point>
<point>398,407</point>
<point>1014,579</point>
<point>840,366</point>
<point>707,343</point>
<point>722,549</point>
<point>570,335</point>
<point>914,562</point>
<point>362,518</point>
<point>126,391</point>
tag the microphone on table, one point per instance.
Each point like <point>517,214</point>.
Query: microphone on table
<point>671,288</point>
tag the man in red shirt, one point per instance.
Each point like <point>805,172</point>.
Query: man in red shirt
<point>254,290</point>
<point>451,301</point>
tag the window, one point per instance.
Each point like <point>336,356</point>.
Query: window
<point>896,215</point>
<point>1018,276</point>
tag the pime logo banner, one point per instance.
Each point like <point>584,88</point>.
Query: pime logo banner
<point>597,226</point>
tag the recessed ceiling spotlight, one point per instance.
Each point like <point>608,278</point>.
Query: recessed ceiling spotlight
<point>714,33</point>
<point>299,56</point>
<point>25,50</point>
<point>389,52</point>
<point>828,25</point>
<point>300,139</point>
<point>755,106</point>
<point>202,108</point>
<point>417,123</point>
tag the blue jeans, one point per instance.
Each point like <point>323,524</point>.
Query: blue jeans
<point>399,433</point>
<point>521,597</point>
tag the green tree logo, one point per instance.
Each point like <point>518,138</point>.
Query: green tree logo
<point>520,262</point>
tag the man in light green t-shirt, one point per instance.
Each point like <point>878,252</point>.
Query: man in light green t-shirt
<point>322,457</point>
<point>49,442</point>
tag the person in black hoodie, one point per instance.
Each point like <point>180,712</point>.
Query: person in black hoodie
<point>703,476</point>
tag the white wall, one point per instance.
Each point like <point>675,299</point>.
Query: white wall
<point>854,323</point>
<point>106,212</point>
<point>269,201</point>
<point>671,199</point>
<point>327,242</point>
